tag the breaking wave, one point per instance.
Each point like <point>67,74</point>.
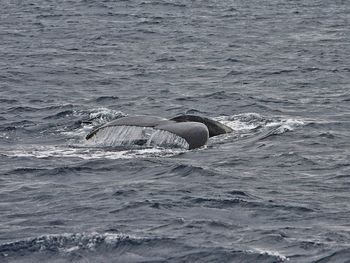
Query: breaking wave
<point>67,242</point>
<point>97,247</point>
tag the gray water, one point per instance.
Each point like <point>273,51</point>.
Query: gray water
<point>276,189</point>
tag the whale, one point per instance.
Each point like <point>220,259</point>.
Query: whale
<point>195,130</point>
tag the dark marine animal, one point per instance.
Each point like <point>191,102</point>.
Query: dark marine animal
<point>196,130</point>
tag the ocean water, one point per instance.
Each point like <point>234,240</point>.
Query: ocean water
<point>275,190</point>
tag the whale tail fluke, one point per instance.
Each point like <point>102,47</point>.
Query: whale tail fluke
<point>195,130</point>
<point>215,128</point>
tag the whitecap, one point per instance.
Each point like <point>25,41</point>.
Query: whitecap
<point>68,242</point>
<point>272,253</point>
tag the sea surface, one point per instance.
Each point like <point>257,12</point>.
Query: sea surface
<point>274,190</point>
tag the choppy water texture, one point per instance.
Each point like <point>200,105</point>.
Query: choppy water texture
<point>276,189</point>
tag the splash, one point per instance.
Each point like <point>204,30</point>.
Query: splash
<point>102,115</point>
<point>283,126</point>
<point>42,152</point>
<point>251,122</point>
<point>269,253</point>
<point>243,122</point>
<point>91,119</point>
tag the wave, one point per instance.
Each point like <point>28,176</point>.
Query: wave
<point>67,243</point>
<point>60,115</point>
<point>106,99</point>
<point>342,255</point>
<point>22,109</point>
<point>8,101</point>
<point>185,170</point>
<point>127,248</point>
<point>7,127</point>
<point>242,201</point>
<point>275,254</point>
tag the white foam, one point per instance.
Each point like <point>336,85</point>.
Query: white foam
<point>286,125</point>
<point>97,116</point>
<point>238,125</point>
<point>87,153</point>
<point>104,114</point>
<point>4,135</point>
<point>250,121</point>
<point>269,253</point>
<point>71,242</point>
<point>242,122</point>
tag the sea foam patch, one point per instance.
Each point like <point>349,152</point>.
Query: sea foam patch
<point>88,153</point>
<point>253,121</point>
